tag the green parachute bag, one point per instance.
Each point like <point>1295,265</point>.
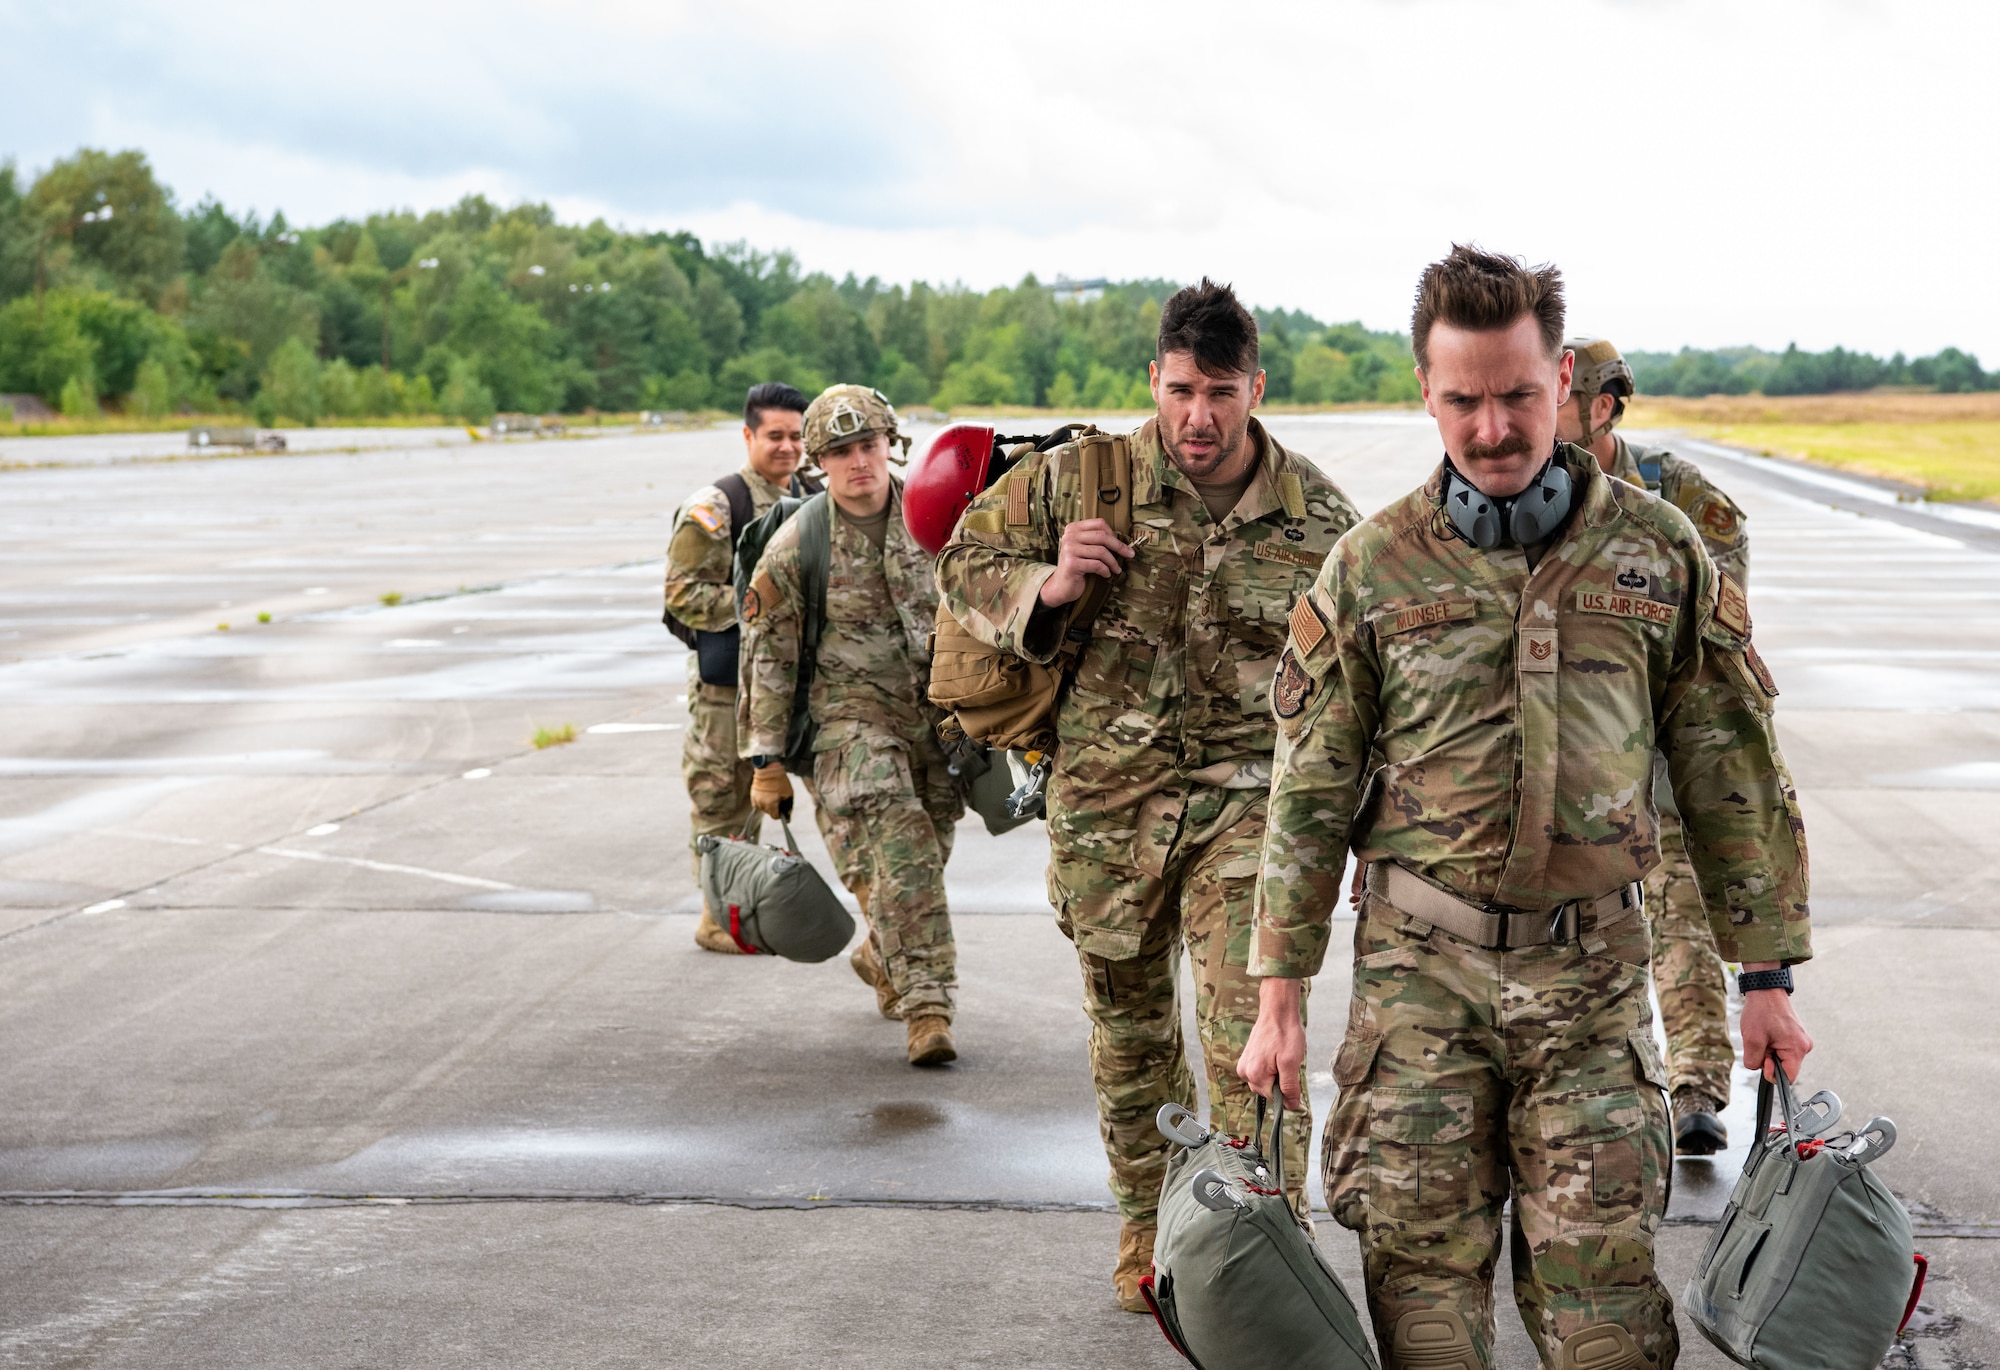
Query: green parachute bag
<point>772,900</point>
<point>1237,1282</point>
<point>1811,1267</point>
<point>990,784</point>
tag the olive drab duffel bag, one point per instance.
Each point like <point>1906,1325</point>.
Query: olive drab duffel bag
<point>772,900</point>
<point>1237,1282</point>
<point>1811,1267</point>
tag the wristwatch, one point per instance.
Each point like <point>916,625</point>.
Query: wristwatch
<point>758,763</point>
<point>1747,980</point>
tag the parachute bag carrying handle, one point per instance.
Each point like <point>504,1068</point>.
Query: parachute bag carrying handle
<point>1276,1155</point>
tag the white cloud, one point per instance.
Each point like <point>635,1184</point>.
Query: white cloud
<point>1705,172</point>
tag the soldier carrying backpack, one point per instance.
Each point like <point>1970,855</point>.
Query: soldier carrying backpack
<point>837,618</point>
<point>701,611</point>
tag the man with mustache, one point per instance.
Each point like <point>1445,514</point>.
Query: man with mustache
<point>1156,804</point>
<point>1687,973</point>
<point>1471,700</point>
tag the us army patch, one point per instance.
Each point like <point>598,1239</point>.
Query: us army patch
<point>1538,649</point>
<point>1732,608</point>
<point>705,516</point>
<point>1420,616</point>
<point>1017,502</point>
<point>1292,686</point>
<point>1269,550</point>
<point>1623,606</point>
<point>1308,631</point>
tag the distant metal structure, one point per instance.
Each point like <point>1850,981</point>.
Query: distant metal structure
<point>526,425</point>
<point>26,408</point>
<point>1067,291</point>
<point>201,439</point>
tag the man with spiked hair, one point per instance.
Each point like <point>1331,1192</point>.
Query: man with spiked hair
<point>1483,673</point>
<point>1163,765</point>
<point>882,790</point>
<point>1687,972</point>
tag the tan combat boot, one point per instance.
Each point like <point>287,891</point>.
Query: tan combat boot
<point>1432,1339</point>
<point>869,967</point>
<point>930,1039</point>
<point>710,935</point>
<point>1135,1262</point>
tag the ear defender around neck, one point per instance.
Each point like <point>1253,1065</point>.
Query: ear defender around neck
<point>1493,521</point>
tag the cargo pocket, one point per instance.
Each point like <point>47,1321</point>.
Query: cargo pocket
<point>1657,1170</point>
<point>1344,1144</point>
<point>1418,1163</point>
<point>1596,1147</point>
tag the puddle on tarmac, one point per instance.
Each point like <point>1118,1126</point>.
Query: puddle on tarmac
<point>899,1118</point>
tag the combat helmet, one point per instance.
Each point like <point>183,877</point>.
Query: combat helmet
<point>847,413</point>
<point>1600,370</point>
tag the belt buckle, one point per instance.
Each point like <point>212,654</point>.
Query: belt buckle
<point>1565,924</point>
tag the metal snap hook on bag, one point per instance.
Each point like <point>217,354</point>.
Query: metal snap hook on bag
<point>1825,1109</point>
<point>1211,1191</point>
<point>1872,1142</point>
<point>1173,1121</point>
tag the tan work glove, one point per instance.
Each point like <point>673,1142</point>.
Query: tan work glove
<point>771,790</point>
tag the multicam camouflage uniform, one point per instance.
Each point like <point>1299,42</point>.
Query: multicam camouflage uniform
<point>885,800</point>
<point>1515,715</point>
<point>1687,973</point>
<point>701,592</point>
<point>1156,806</point>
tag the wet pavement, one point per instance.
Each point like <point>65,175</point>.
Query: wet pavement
<point>341,1026</point>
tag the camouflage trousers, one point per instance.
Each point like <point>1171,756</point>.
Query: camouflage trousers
<point>1687,972</point>
<point>888,812</point>
<point>718,780</point>
<point>1138,1061</point>
<point>1468,1077</point>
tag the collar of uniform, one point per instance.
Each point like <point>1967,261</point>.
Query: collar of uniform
<point>1153,472</point>
<point>759,484</point>
<point>1597,505</point>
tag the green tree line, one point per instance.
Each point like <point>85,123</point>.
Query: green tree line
<point>110,293</point>
<point>1747,370</point>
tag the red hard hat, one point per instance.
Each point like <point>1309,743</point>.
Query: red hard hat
<point>942,482</point>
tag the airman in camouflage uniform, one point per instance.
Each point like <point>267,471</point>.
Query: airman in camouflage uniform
<point>1687,971</point>
<point>700,592</point>
<point>884,797</point>
<point>1156,804</point>
<point>1509,701</point>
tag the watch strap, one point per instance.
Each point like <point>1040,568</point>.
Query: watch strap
<point>1765,979</point>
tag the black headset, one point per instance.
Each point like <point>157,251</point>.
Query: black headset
<point>1492,520</point>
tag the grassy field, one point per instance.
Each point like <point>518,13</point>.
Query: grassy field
<point>181,423</point>
<point>1947,446</point>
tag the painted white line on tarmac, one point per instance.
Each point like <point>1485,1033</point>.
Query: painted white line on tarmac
<point>632,728</point>
<point>389,867</point>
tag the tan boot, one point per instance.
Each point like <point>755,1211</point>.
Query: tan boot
<point>869,967</point>
<point>710,935</point>
<point>930,1040</point>
<point>1135,1262</point>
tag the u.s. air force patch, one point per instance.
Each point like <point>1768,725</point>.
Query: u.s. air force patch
<point>1292,687</point>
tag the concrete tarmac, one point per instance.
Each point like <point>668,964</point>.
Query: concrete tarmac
<point>340,1026</point>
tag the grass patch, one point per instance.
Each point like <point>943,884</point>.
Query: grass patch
<point>1947,446</point>
<point>263,616</point>
<point>392,598</point>
<point>554,737</point>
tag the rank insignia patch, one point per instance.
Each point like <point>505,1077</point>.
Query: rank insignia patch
<point>1538,649</point>
<point>1292,688</point>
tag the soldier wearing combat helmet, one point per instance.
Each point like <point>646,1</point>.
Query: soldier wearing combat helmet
<point>1687,972</point>
<point>882,789</point>
<point>1163,761</point>
<point>1479,682</point>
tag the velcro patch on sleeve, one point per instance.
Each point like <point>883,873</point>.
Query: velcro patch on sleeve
<point>1270,549</point>
<point>1017,502</point>
<point>981,521</point>
<point>1308,629</point>
<point>1392,621</point>
<point>706,517</point>
<point>1622,605</point>
<point>1732,606</point>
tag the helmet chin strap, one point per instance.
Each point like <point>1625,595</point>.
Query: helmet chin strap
<point>1584,404</point>
<point>1489,521</point>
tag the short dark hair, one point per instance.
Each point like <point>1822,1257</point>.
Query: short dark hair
<point>1209,321</point>
<point>1483,292</point>
<point>771,395</point>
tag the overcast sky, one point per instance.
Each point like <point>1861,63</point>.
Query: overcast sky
<point>1705,173</point>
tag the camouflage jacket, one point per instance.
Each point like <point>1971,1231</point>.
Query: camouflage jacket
<point>1680,483</point>
<point>874,652</point>
<point>1513,716</point>
<point>1173,692</point>
<point>701,555</point>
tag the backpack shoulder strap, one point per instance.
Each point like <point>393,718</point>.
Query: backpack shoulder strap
<point>815,518</point>
<point>741,507</point>
<point>1107,494</point>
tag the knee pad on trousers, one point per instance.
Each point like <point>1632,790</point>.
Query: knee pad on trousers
<point>1602,1346</point>
<point>1433,1339</point>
